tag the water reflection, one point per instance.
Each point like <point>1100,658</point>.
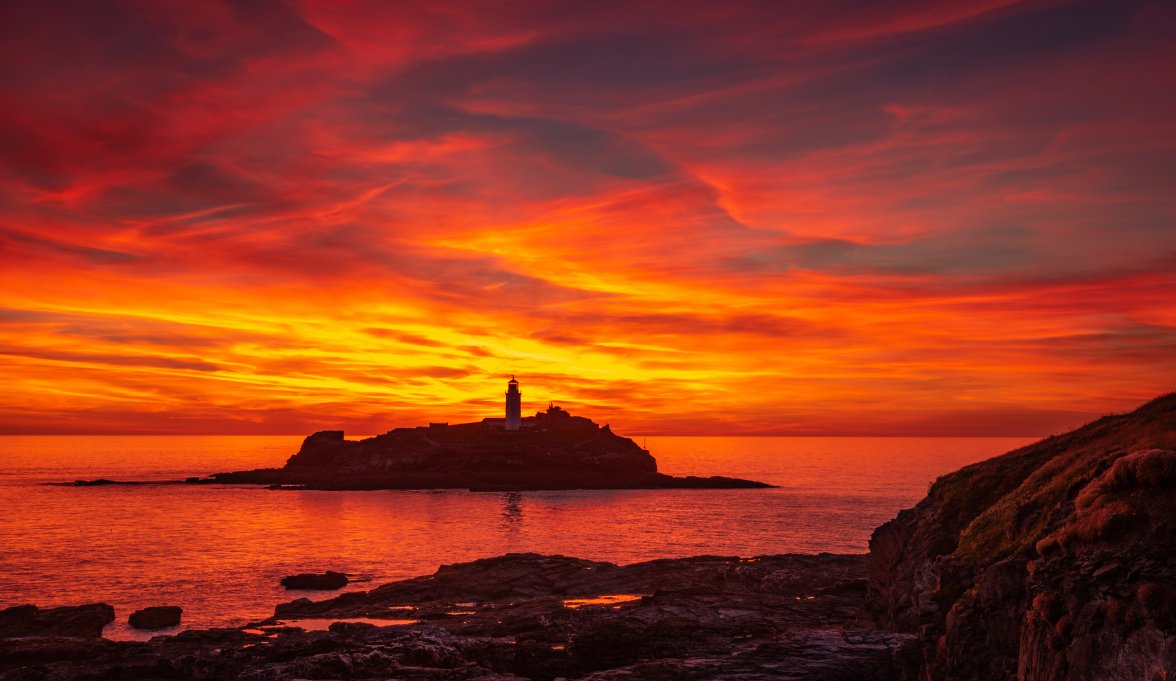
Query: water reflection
<point>221,551</point>
<point>612,600</point>
<point>512,511</point>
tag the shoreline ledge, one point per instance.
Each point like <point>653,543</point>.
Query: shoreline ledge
<point>553,450</point>
<point>528,616</point>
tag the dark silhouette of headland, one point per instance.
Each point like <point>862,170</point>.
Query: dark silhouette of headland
<point>551,450</point>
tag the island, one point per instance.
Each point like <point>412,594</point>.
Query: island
<point>552,450</point>
<point>1052,562</point>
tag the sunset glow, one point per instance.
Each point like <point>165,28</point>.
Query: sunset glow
<point>746,218</point>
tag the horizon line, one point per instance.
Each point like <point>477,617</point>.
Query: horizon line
<point>361,434</point>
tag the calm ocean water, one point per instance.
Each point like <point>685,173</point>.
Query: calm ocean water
<point>219,551</point>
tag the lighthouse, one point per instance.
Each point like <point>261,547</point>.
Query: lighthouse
<point>514,405</point>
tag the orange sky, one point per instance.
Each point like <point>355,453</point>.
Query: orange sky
<point>737,218</point>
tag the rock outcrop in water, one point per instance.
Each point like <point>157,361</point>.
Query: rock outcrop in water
<point>156,617</point>
<point>1053,562</point>
<point>321,581</point>
<point>554,450</point>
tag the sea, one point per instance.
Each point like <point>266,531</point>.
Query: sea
<point>219,551</point>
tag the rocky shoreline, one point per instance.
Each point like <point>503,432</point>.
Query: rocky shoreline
<point>527,616</point>
<point>1053,562</point>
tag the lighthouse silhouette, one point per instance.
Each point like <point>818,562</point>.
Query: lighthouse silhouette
<point>514,405</point>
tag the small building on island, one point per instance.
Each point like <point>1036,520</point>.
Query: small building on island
<point>514,419</point>
<point>514,410</point>
<point>514,405</point>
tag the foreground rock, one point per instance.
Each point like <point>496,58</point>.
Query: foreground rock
<point>82,621</point>
<point>526,616</point>
<point>1053,562</point>
<point>326,581</point>
<point>554,450</point>
<point>156,617</point>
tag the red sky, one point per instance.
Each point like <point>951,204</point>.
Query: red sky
<point>697,218</point>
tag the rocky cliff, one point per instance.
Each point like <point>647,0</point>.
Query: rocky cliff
<point>554,450</point>
<point>1050,563</point>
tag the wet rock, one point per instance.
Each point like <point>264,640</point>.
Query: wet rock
<point>326,581</point>
<point>156,617</point>
<point>82,621</point>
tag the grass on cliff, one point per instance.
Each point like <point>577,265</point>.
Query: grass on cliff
<point>1004,505</point>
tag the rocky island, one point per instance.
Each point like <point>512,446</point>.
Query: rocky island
<point>1053,562</point>
<point>551,450</point>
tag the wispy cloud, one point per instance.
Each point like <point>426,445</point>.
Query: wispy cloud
<point>746,217</point>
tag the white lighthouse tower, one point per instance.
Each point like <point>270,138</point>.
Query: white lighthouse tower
<point>514,405</point>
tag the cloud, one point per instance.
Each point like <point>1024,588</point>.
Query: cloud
<point>113,360</point>
<point>998,251</point>
<point>747,217</point>
<point>98,256</point>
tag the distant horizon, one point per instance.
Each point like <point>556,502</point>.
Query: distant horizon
<point>350,435</point>
<point>983,426</point>
<point>950,431</point>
